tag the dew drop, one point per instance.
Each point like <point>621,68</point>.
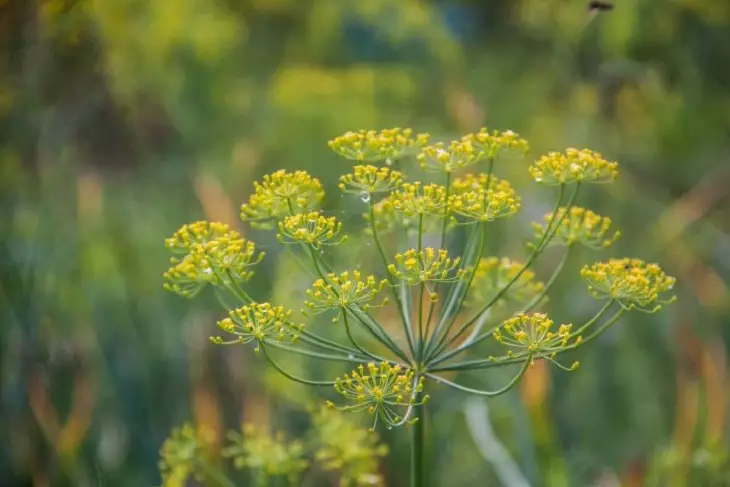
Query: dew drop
<point>365,197</point>
<point>388,162</point>
<point>351,356</point>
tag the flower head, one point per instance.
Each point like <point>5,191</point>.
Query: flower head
<point>269,455</point>
<point>311,228</point>
<point>418,199</point>
<point>348,448</point>
<point>533,334</point>
<point>258,323</point>
<point>215,255</point>
<point>370,145</point>
<point>573,166</point>
<point>469,149</point>
<point>578,226</point>
<point>483,198</point>
<point>370,179</point>
<point>493,274</point>
<point>633,283</point>
<point>191,235</point>
<point>427,265</point>
<point>181,454</point>
<point>340,291</point>
<point>381,390</point>
<point>282,193</point>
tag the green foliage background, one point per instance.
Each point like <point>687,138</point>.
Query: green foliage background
<point>123,119</point>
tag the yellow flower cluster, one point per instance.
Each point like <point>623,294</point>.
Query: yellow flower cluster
<point>370,145</point>
<point>348,448</point>
<point>469,149</point>
<point>533,334</point>
<point>573,166</point>
<point>340,291</point>
<point>578,226</point>
<point>493,274</point>
<point>633,283</point>
<point>370,179</point>
<point>427,265</point>
<point>458,154</point>
<point>311,228</point>
<point>483,198</point>
<point>181,455</point>
<point>191,235</point>
<point>282,193</point>
<point>215,255</point>
<point>257,323</point>
<point>379,389</point>
<point>418,199</point>
<point>492,143</point>
<point>268,455</point>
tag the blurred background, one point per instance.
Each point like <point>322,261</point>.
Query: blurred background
<point>120,120</point>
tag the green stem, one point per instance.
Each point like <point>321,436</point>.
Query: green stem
<point>352,339</point>
<point>405,320</point>
<point>322,356</point>
<point>445,221</point>
<point>316,340</point>
<point>216,475</point>
<point>421,290</point>
<point>290,376</point>
<point>417,446</point>
<point>480,392</point>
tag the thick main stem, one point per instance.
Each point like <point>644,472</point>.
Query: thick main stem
<point>417,446</point>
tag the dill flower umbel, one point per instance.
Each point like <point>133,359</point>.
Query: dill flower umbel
<point>493,274</point>
<point>578,226</point>
<point>469,149</point>
<point>181,455</point>
<point>311,228</point>
<point>268,455</point>
<point>427,265</point>
<point>348,448</point>
<point>573,166</point>
<point>258,323</point>
<point>282,193</point>
<point>370,145</point>
<point>216,255</point>
<point>340,291</point>
<point>380,390</point>
<point>370,179</point>
<point>190,235</point>
<point>492,143</point>
<point>483,198</point>
<point>633,283</point>
<point>418,199</point>
<point>533,334</point>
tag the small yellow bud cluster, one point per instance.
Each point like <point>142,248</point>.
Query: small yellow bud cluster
<point>483,198</point>
<point>370,179</point>
<point>573,166</point>
<point>257,323</point>
<point>282,193</point>
<point>269,455</point>
<point>370,145</point>
<point>340,291</point>
<point>379,389</point>
<point>469,149</point>
<point>351,450</point>
<point>427,265</point>
<point>418,199</point>
<point>492,143</point>
<point>493,274</point>
<point>579,226</point>
<point>215,255</point>
<point>631,282</point>
<point>311,228</point>
<point>533,334</point>
<point>181,455</point>
<point>191,235</point>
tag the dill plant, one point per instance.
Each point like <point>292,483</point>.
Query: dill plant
<point>446,304</point>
